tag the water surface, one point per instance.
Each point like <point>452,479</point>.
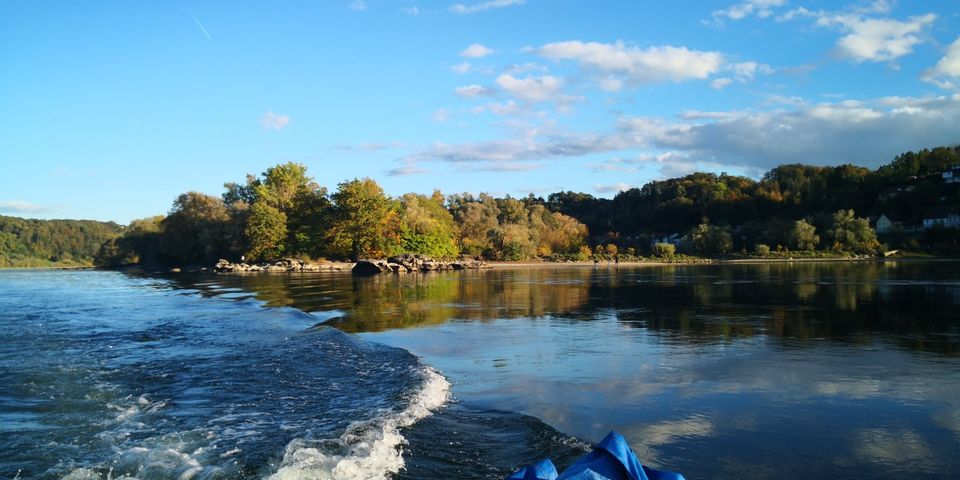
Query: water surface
<point>731,371</point>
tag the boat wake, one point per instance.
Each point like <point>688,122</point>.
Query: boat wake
<point>369,449</point>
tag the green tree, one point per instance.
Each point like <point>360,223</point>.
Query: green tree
<point>515,242</point>
<point>365,221</point>
<point>512,211</point>
<point>664,250</point>
<point>852,234</point>
<point>194,232</point>
<point>804,236</point>
<point>139,244</point>
<point>476,221</point>
<point>711,240</point>
<point>266,231</point>
<point>282,185</point>
<point>307,210</point>
<point>426,226</point>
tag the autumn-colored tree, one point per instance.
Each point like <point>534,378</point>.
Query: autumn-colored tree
<point>426,226</point>
<point>476,222</point>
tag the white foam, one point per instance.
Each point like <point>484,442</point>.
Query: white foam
<point>372,447</point>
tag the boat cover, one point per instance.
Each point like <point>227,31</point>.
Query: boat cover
<point>612,459</point>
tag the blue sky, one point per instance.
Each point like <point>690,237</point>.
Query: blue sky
<point>112,109</point>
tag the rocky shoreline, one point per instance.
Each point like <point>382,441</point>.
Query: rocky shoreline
<point>407,263</point>
<point>280,266</point>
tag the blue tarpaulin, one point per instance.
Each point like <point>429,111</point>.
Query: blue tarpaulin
<point>612,459</point>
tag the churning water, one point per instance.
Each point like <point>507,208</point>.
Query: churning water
<point>108,376</point>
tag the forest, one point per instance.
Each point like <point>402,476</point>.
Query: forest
<point>27,243</point>
<point>795,207</point>
<point>283,212</point>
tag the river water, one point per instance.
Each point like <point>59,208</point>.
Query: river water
<point>841,370</point>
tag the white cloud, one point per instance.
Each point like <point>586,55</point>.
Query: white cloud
<point>615,164</point>
<point>461,68</point>
<point>877,7</point>
<point>739,11</point>
<point>947,71</point>
<point>273,121</point>
<point>405,170</point>
<point>866,133</point>
<point>500,108</point>
<point>517,68</point>
<point>746,71</point>
<point>879,39</point>
<point>22,207</point>
<point>868,38</point>
<point>462,9</point>
<point>358,5</point>
<point>473,91</point>
<point>796,13</point>
<point>531,89</point>
<point>440,115</point>
<point>412,11</point>
<point>670,164</point>
<point>618,63</point>
<point>505,167</point>
<point>720,83</point>
<point>476,50</point>
<point>614,188</point>
<point>743,72</point>
<point>371,146</point>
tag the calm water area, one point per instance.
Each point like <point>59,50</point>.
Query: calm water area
<point>839,370</point>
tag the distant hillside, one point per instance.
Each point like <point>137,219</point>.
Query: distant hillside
<point>914,187</point>
<point>52,243</point>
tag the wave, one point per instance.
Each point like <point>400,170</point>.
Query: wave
<point>369,449</point>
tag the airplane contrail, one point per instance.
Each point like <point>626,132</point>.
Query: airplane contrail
<point>202,28</point>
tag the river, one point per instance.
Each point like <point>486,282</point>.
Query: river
<point>843,370</point>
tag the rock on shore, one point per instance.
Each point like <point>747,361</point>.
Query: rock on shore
<point>285,265</point>
<point>414,263</point>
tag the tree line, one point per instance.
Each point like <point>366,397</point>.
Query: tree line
<point>284,213</point>
<point>799,207</point>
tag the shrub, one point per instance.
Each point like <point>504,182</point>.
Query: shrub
<point>664,250</point>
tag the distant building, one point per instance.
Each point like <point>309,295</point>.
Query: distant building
<point>676,239</point>
<point>941,218</point>
<point>885,224</point>
<point>952,175</point>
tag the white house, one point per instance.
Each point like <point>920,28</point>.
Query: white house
<point>951,175</point>
<point>951,220</point>
<point>885,224</point>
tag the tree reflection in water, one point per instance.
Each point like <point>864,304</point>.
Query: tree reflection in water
<point>910,303</point>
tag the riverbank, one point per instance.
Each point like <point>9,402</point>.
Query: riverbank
<point>701,261</point>
<point>306,266</point>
